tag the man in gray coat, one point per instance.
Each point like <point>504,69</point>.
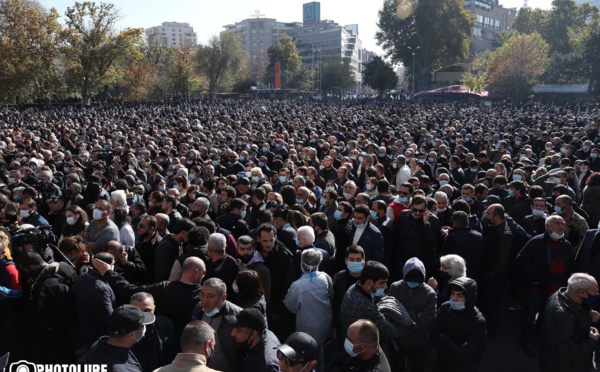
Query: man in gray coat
<point>420,301</point>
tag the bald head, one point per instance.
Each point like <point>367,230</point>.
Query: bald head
<point>192,270</point>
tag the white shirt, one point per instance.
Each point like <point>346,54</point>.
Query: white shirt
<point>358,233</point>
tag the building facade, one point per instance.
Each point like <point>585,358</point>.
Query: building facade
<point>173,34</point>
<point>491,19</point>
<point>257,35</point>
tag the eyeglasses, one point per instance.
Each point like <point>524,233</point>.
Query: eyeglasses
<point>404,193</point>
<point>415,210</point>
<point>290,362</point>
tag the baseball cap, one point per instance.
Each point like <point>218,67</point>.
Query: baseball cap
<point>127,318</point>
<point>250,318</point>
<point>492,199</point>
<point>242,181</point>
<point>299,345</point>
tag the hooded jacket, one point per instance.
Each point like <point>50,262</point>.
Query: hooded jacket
<point>460,335</point>
<point>420,302</point>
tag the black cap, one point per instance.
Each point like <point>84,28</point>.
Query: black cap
<point>127,318</point>
<point>251,318</point>
<point>242,181</point>
<point>492,199</point>
<point>300,346</point>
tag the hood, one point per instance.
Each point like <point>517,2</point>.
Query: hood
<point>469,286</point>
<point>256,258</point>
<point>414,264</point>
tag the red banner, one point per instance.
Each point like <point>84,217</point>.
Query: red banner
<point>277,75</point>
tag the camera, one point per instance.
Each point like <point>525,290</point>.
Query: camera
<point>105,155</point>
<point>22,366</point>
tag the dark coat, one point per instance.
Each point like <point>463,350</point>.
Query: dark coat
<point>371,241</point>
<point>386,227</point>
<point>460,335</point>
<point>225,269</point>
<point>234,223</point>
<point>95,301</point>
<point>584,262</point>
<point>468,244</point>
<point>116,359</point>
<point>165,255</point>
<point>563,335</point>
<point>533,260</point>
<point>415,239</point>
<point>498,244</point>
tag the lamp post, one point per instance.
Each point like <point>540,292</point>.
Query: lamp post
<point>413,69</point>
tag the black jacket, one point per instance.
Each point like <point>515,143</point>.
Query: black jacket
<point>563,335</point>
<point>225,269</point>
<point>165,255</point>
<point>498,244</point>
<point>415,239</point>
<point>116,359</point>
<point>371,241</point>
<point>234,223</point>
<point>280,263</point>
<point>584,262</point>
<point>460,335</point>
<point>134,269</point>
<point>533,260</point>
<point>468,244</point>
<point>159,346</point>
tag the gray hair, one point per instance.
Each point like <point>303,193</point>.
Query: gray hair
<point>441,195</point>
<point>311,259</point>
<point>195,335</point>
<point>580,282</point>
<point>141,296</point>
<point>216,283</point>
<point>401,160</point>
<point>456,264</point>
<point>217,243</point>
<point>306,233</point>
<point>550,219</point>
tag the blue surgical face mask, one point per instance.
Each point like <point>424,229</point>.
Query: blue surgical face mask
<point>261,164</point>
<point>374,215</point>
<point>378,292</point>
<point>360,225</point>
<point>322,201</point>
<point>474,170</point>
<point>282,179</point>
<point>213,312</point>
<point>517,177</point>
<point>510,192</point>
<point>443,182</point>
<point>299,201</point>
<point>243,214</point>
<point>537,212</point>
<point>413,285</point>
<point>337,215</point>
<point>457,305</point>
<point>349,347</point>
<point>215,163</point>
<point>558,209</point>
<point>467,199</point>
<point>402,199</point>
<point>355,267</point>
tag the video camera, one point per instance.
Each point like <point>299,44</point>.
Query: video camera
<point>40,236</point>
<point>105,155</point>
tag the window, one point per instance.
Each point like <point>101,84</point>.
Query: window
<point>497,24</point>
<point>477,32</point>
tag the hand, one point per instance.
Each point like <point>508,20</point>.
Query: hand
<point>101,266</point>
<point>432,283</point>
<point>123,258</point>
<point>594,315</point>
<point>594,335</point>
<point>426,216</point>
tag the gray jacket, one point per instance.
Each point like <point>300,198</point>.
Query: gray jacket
<point>420,303</point>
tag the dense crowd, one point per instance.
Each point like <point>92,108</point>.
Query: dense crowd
<point>298,236</point>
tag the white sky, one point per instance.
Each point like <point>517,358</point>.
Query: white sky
<point>209,16</point>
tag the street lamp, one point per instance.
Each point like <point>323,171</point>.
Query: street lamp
<point>413,69</point>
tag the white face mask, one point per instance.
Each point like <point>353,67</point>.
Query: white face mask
<point>71,220</point>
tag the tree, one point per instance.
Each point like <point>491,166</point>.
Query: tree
<point>379,75</point>
<point>592,57</point>
<point>92,47</point>
<point>516,66</point>
<point>221,61</point>
<point>530,20</point>
<point>442,30</point>
<point>293,74</point>
<point>475,79</point>
<point>336,76</point>
<point>30,35</point>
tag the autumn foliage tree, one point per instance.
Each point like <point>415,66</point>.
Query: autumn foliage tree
<point>93,48</point>
<point>29,36</point>
<point>516,66</point>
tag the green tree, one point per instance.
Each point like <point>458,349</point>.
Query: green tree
<point>530,20</point>
<point>379,75</point>
<point>221,61</point>
<point>442,30</point>
<point>29,40</point>
<point>293,74</point>
<point>92,47</point>
<point>516,66</point>
<point>336,76</point>
<point>475,79</point>
<point>592,57</point>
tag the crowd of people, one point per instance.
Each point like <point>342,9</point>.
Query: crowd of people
<point>298,236</point>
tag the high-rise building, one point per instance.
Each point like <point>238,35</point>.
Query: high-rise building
<point>311,12</point>
<point>491,19</point>
<point>257,35</point>
<point>173,34</point>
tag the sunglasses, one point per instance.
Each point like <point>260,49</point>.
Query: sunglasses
<point>290,362</point>
<point>415,210</point>
<point>403,193</point>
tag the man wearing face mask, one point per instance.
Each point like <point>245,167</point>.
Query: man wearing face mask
<point>101,230</point>
<point>234,219</point>
<point>545,263</point>
<point>363,352</point>
<point>420,301</point>
<point>465,242</point>
<point>126,327</point>
<point>344,279</point>
<point>459,329</point>
<point>212,309</point>
<point>565,333</point>
<point>257,342</point>
<point>359,302</point>
<point>364,233</point>
<point>534,223</point>
<point>576,225</point>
